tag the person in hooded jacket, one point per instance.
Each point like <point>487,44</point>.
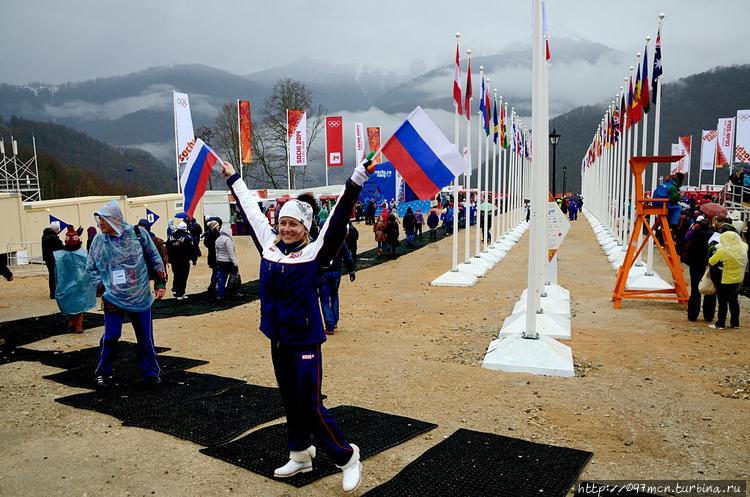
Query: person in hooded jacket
<point>432,222</point>
<point>392,232</point>
<point>195,231</point>
<point>90,234</point>
<point>74,292</point>
<point>181,252</point>
<point>290,317</point>
<point>213,228</point>
<point>410,225</point>
<point>226,259</point>
<point>330,280</point>
<point>51,242</point>
<point>732,254</point>
<point>119,264</point>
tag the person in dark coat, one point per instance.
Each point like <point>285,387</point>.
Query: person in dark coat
<point>181,251</point>
<point>410,223</point>
<point>696,256</point>
<point>330,280</point>
<point>50,243</point>
<point>370,213</point>
<point>432,222</point>
<point>195,231</point>
<point>352,238</point>
<point>5,272</point>
<point>392,232</point>
<point>90,234</point>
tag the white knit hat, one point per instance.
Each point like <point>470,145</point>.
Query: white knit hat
<point>296,209</point>
<point>182,226</point>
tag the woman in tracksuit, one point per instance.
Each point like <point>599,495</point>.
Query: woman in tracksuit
<point>290,270</point>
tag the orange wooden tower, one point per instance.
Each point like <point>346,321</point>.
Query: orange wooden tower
<point>647,206</point>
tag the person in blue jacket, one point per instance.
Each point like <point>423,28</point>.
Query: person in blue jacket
<point>329,287</point>
<point>119,263</point>
<point>290,270</point>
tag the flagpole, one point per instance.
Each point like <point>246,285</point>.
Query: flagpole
<point>487,160</point>
<point>468,151</point>
<point>325,148</point>
<point>490,180</point>
<point>654,171</point>
<point>454,258</point>
<point>480,125</point>
<point>634,154</point>
<point>176,146</point>
<point>700,165</point>
<point>288,156</point>
<point>504,178</point>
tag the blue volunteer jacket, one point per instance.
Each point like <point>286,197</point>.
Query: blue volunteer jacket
<point>290,274</point>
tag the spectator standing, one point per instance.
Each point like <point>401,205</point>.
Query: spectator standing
<point>90,234</point>
<point>213,227</point>
<point>50,243</point>
<point>418,222</point>
<point>195,231</point>
<point>330,281</point>
<point>74,292</point>
<point>226,259</point>
<point>181,251</point>
<point>392,232</point>
<point>409,223</point>
<point>432,222</point>
<point>732,253</point>
<point>323,214</point>
<point>696,256</point>
<point>119,264</point>
<point>352,239</point>
<point>379,229</point>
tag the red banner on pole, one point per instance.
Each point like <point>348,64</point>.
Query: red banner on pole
<point>334,141</point>
<point>373,140</point>
<point>246,130</point>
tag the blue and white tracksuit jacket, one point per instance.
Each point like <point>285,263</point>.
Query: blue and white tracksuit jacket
<point>290,316</point>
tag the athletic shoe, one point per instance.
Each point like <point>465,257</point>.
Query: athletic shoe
<point>300,461</point>
<point>714,327</point>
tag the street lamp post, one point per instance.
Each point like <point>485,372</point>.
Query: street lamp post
<point>564,178</point>
<point>554,138</point>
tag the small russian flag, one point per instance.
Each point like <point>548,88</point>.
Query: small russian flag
<point>196,173</point>
<point>423,156</point>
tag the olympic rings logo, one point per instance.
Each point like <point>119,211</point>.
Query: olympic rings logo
<point>182,102</point>
<point>334,124</point>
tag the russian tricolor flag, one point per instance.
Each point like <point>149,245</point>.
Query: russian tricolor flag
<point>423,156</point>
<point>196,173</point>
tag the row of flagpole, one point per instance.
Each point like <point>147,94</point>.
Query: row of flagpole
<point>607,182</point>
<point>500,179</point>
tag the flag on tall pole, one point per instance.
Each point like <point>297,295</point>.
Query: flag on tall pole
<point>503,129</point>
<point>725,128</point>
<point>645,94</point>
<point>468,93</point>
<point>630,102</point>
<point>457,84</point>
<point>742,141</point>
<point>483,108</point>
<point>545,29</point>
<point>708,149</point>
<point>657,72</point>
<point>245,124</point>
<point>487,109</point>
<point>495,124</point>
<point>201,159</point>
<point>636,108</point>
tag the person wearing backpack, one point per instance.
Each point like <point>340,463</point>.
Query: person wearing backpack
<point>119,263</point>
<point>181,251</point>
<point>213,227</point>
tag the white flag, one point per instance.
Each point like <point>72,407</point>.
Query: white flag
<point>725,128</point>
<point>708,149</point>
<point>686,145</point>
<point>742,145</point>
<point>677,167</point>
<point>360,142</point>
<point>296,131</point>
<point>183,125</point>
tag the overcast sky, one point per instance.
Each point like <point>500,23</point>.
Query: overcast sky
<point>71,40</point>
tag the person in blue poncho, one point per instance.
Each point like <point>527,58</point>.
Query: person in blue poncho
<point>670,190</point>
<point>73,291</point>
<point>119,264</point>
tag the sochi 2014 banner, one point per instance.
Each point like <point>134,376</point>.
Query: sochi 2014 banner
<point>708,149</point>
<point>742,144</point>
<point>360,149</point>
<point>686,146</point>
<point>296,132</point>
<point>183,124</point>
<point>373,140</point>
<point>246,130</point>
<point>725,128</point>
<point>334,141</point>
<point>677,167</point>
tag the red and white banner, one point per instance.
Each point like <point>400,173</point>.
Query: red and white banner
<point>360,141</point>
<point>677,167</point>
<point>742,145</point>
<point>686,147</point>
<point>725,128</point>
<point>708,149</point>
<point>296,132</point>
<point>373,140</point>
<point>334,141</point>
<point>246,130</point>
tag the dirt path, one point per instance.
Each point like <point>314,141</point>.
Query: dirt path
<point>652,398</point>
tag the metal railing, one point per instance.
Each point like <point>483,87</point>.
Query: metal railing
<point>20,253</point>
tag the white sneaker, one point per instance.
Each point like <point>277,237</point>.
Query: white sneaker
<point>352,471</point>
<point>300,461</point>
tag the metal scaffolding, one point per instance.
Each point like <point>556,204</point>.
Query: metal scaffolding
<point>18,175</point>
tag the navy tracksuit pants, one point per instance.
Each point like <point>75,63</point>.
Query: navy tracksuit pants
<point>143,333</point>
<point>299,372</point>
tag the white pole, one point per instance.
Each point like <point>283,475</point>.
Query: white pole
<point>325,149</point>
<point>288,156</point>
<point>491,182</point>
<point>503,181</point>
<point>454,249</point>
<point>486,169</point>
<point>479,184</point>
<point>455,200</point>
<point>536,236</point>
<point>176,146</point>
<point>654,171</point>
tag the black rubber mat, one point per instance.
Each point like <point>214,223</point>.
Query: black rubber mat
<point>216,418</point>
<point>134,402</point>
<point>265,450</point>
<point>610,489</point>
<point>475,463</point>
<point>125,371</point>
<point>126,351</point>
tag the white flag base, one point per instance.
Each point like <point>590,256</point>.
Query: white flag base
<point>497,252</point>
<point>478,270</point>
<point>548,305</point>
<point>609,246</point>
<point>599,229</point>
<point>646,282</point>
<point>504,244</point>
<point>547,324</point>
<point>488,257</point>
<point>543,356</point>
<point>454,278</point>
<point>617,256</point>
